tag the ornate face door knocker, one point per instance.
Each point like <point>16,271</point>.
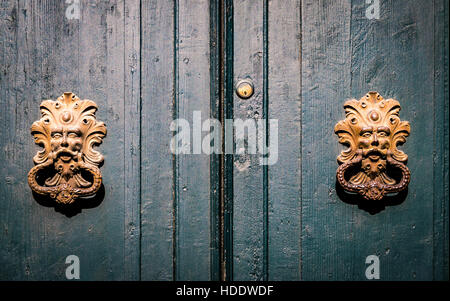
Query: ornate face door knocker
<point>372,129</point>
<point>67,167</point>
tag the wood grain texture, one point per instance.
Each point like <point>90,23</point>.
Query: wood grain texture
<point>326,60</point>
<point>177,198</point>
<point>248,185</point>
<point>157,173</point>
<point>393,56</point>
<point>227,258</point>
<point>193,231</point>
<point>95,57</point>
<point>284,93</point>
<point>216,105</point>
<point>441,138</point>
<point>146,63</point>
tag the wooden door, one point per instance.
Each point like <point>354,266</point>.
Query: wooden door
<point>289,221</point>
<point>201,216</point>
<point>44,53</point>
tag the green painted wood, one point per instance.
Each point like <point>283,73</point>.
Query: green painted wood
<point>159,218</point>
<point>346,55</point>
<point>284,94</point>
<point>326,62</point>
<point>441,138</point>
<point>193,228</point>
<point>99,57</point>
<point>179,193</point>
<point>43,55</point>
<point>216,105</point>
<point>401,68</point>
<point>226,212</point>
<point>248,183</point>
<point>157,173</point>
<point>131,91</point>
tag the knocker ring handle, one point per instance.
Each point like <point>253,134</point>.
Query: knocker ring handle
<point>373,190</point>
<point>64,193</point>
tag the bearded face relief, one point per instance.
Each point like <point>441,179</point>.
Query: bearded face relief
<point>374,142</point>
<point>67,167</point>
<point>66,145</point>
<point>372,129</point>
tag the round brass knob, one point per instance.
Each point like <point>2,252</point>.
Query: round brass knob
<point>244,89</point>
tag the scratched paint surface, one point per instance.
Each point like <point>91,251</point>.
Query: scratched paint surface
<point>148,63</point>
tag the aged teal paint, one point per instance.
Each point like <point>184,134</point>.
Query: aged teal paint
<point>180,204</point>
<point>228,160</point>
<point>216,102</point>
<point>206,217</point>
<point>395,56</point>
<point>193,206</point>
<point>325,82</point>
<point>284,177</point>
<point>42,57</point>
<point>248,174</point>
<point>441,138</point>
<point>401,67</point>
<point>265,224</point>
<point>157,177</point>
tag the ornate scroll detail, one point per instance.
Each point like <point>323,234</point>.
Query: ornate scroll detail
<point>67,167</point>
<point>372,129</point>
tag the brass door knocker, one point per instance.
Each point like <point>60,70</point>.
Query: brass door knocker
<point>67,167</point>
<point>372,129</point>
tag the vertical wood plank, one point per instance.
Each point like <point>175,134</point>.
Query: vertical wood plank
<point>216,105</point>
<point>132,93</point>
<point>394,56</point>
<point>441,138</point>
<point>114,71</point>
<point>228,159</point>
<point>248,185</point>
<point>284,92</point>
<point>327,224</point>
<point>193,228</point>
<point>95,58</point>
<point>157,190</point>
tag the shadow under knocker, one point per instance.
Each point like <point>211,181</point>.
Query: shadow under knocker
<point>67,172</point>
<point>370,207</point>
<point>372,171</point>
<point>70,210</point>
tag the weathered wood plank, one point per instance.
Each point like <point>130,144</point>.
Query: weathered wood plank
<point>441,138</point>
<point>130,30</point>
<point>326,59</point>
<point>193,231</point>
<point>394,56</point>
<point>215,67</point>
<point>284,92</point>
<point>157,162</point>
<point>391,55</point>
<point>248,185</point>
<point>343,54</point>
<point>228,158</point>
<point>94,58</point>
